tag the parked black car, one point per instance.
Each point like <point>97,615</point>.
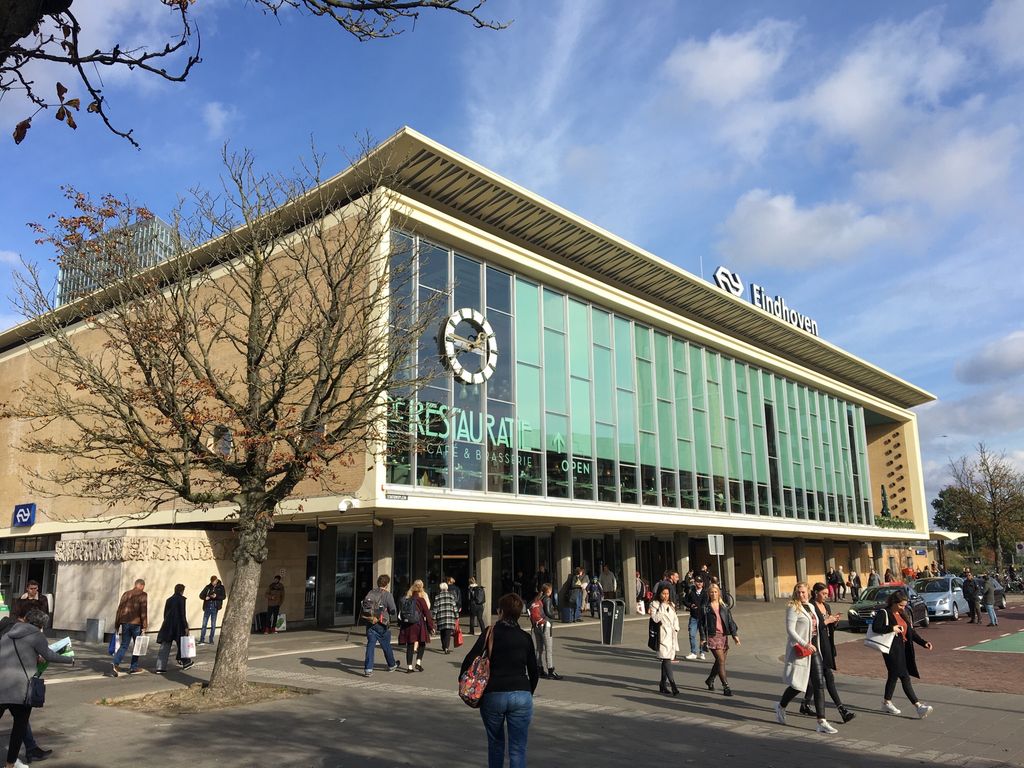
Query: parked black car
<point>873,599</point>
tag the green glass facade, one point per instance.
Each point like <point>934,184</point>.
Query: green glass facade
<point>590,405</point>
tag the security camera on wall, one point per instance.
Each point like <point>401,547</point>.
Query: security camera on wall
<point>344,505</point>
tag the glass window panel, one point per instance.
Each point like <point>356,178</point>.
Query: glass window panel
<point>649,470</point>
<point>715,413</point>
<point>700,442</point>
<point>429,357</point>
<point>582,420</point>
<point>499,290</point>
<point>466,290</point>
<point>679,355</point>
<point>623,355</point>
<point>499,386</point>
<point>468,466</point>
<point>666,435</point>
<point>627,483</point>
<point>643,342</point>
<point>683,400</point>
<point>582,478</point>
<point>697,385</point>
<point>527,322</point>
<point>601,322</point>
<point>663,366</point>
<point>433,435</point>
<point>557,455</point>
<point>604,388</point>
<point>433,266</point>
<point>500,447</point>
<point>607,482</point>
<point>528,406</point>
<point>554,310</point>
<point>669,497</point>
<point>399,442</point>
<point>579,339</point>
<point>555,377</point>
<point>627,426</point>
<point>645,394</point>
<point>687,493</point>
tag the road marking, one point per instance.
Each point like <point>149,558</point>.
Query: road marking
<point>960,648</point>
<point>305,650</point>
<point>1006,634</point>
<point>984,641</point>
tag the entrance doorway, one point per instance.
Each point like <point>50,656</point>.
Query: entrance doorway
<point>353,573</point>
<point>448,554</point>
<point>521,557</point>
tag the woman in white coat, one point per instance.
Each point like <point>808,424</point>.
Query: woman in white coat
<point>803,661</point>
<point>663,613</point>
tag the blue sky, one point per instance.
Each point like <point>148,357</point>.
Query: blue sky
<point>863,160</point>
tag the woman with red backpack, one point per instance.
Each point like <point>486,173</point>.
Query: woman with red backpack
<point>542,612</point>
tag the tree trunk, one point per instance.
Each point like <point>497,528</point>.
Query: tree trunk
<point>232,661</point>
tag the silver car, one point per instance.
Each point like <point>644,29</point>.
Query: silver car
<point>944,596</point>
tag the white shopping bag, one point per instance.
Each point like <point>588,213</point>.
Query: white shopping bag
<point>282,623</point>
<point>141,645</point>
<point>187,647</point>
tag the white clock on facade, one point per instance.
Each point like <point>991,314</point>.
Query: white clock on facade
<point>469,346</point>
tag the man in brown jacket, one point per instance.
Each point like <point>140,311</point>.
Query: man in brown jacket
<point>132,620</point>
<point>275,596</point>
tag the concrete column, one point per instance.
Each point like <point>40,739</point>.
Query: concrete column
<point>829,548</point>
<point>681,543</point>
<point>627,544</point>
<point>326,568</point>
<point>800,557</point>
<point>855,550</point>
<point>562,565</point>
<point>383,550</point>
<point>876,558</point>
<point>418,564</point>
<point>768,568</point>
<point>728,576</point>
<point>483,554</point>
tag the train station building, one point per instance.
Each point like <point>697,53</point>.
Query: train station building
<point>590,403</point>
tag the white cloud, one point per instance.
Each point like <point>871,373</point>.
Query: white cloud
<point>773,230</point>
<point>12,258</point>
<point>984,417</point>
<point>218,117</point>
<point>947,172</point>
<point>998,360</point>
<point>1001,31</point>
<point>727,68</point>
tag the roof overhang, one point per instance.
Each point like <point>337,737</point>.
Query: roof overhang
<point>433,174</point>
<point>947,536</point>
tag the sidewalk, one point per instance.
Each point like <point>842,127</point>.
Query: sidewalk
<point>606,713</point>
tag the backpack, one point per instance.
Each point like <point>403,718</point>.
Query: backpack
<point>537,613</point>
<point>478,596</point>
<point>409,613</point>
<point>372,610</point>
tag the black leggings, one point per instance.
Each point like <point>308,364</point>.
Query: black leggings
<point>816,683</point>
<point>667,679</point>
<point>830,686</point>
<point>908,688</point>
<point>20,712</point>
<point>719,666</point>
<point>409,651</point>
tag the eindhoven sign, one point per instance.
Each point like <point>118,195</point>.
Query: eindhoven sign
<point>731,282</point>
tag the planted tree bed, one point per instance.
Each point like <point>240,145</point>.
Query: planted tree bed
<point>199,697</point>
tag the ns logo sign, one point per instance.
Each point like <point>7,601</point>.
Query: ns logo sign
<point>729,281</point>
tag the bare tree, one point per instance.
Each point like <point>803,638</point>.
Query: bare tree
<point>49,31</point>
<point>237,370</point>
<point>987,497</point>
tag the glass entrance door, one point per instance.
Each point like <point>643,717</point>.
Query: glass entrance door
<point>353,576</point>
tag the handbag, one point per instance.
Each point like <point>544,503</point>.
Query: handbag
<point>474,680</point>
<point>187,647</point>
<point>140,645</point>
<point>880,642</point>
<point>35,689</point>
<point>801,651</point>
<point>458,636</point>
<point>653,635</point>
<point>114,644</point>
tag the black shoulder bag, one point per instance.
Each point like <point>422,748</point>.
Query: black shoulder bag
<point>35,689</point>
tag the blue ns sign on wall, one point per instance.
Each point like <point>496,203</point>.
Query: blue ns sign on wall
<point>24,516</point>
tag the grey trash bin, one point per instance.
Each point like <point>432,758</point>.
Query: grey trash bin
<point>94,629</point>
<point>613,613</point>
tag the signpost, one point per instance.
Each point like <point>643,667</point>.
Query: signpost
<point>716,547</point>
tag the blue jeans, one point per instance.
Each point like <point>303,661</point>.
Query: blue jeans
<point>991,614</point>
<point>378,633</point>
<point>694,644</point>
<point>128,634</point>
<point>516,709</point>
<point>577,601</point>
<point>209,614</point>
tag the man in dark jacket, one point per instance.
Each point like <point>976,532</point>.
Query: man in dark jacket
<point>988,598</point>
<point>377,612</point>
<point>213,597</point>
<point>32,598</point>
<point>173,628</point>
<point>475,599</point>
<point>695,600</point>
<point>970,590</point>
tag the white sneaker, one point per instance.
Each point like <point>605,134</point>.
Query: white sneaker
<point>824,727</point>
<point>888,706</point>
<point>703,657</point>
<point>691,656</point>
<point>780,714</point>
<point>19,764</point>
<point>923,710</point>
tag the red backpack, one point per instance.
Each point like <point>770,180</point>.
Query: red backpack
<point>537,613</point>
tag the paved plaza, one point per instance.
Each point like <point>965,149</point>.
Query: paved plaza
<point>606,713</point>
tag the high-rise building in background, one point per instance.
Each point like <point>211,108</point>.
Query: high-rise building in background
<point>146,244</point>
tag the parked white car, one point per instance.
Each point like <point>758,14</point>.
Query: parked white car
<point>944,596</point>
